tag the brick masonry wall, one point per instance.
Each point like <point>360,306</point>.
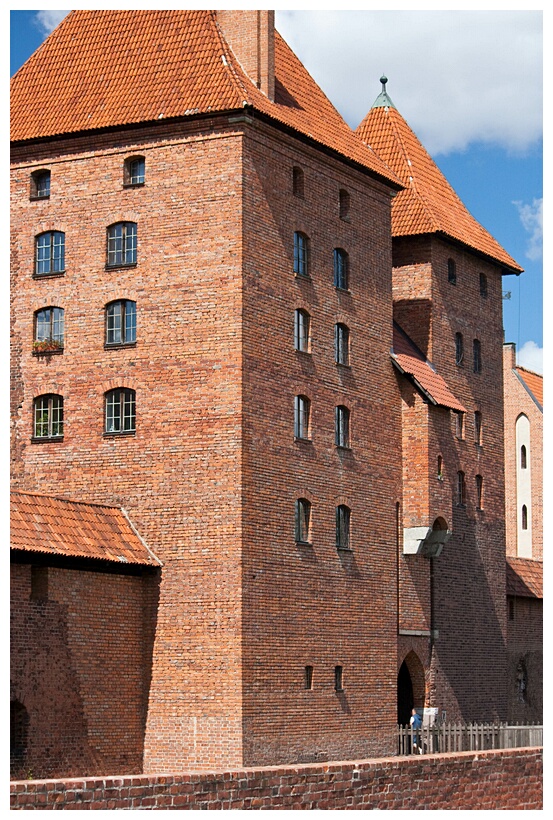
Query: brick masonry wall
<point>77,665</point>
<point>507,779</point>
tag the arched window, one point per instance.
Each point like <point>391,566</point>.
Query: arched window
<point>479,492</point>
<point>302,322</point>
<point>341,343</point>
<point>341,416</point>
<point>48,417</point>
<point>40,184</point>
<point>341,269</point>
<point>343,515</point>
<point>303,520</point>
<point>49,253</point>
<point>524,517</point>
<point>483,286</point>
<point>451,271</point>
<point>134,171</point>
<point>120,407</point>
<point>477,356</point>
<point>459,349</point>
<point>297,181</point>
<point>523,461</point>
<point>301,254</point>
<point>121,244</point>
<point>461,489</point>
<point>49,329</point>
<point>121,322</point>
<point>302,407</point>
<point>344,203</point>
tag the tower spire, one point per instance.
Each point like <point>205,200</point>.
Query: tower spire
<point>383,100</point>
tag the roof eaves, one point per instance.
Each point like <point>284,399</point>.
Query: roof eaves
<point>412,378</point>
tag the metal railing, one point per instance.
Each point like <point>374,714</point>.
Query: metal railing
<point>466,737</point>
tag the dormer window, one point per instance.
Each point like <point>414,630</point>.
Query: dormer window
<point>134,171</point>
<point>40,184</point>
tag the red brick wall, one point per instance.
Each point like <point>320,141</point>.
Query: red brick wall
<point>507,779</point>
<point>80,663</point>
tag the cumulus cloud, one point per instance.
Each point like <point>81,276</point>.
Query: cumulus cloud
<point>47,21</point>
<point>458,77</point>
<point>531,217</point>
<point>530,356</point>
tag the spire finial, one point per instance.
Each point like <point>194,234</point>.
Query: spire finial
<point>384,80</point>
<point>383,101</point>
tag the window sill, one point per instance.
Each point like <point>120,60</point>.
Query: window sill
<point>343,549</point>
<point>303,277</point>
<point>122,265</point>
<point>343,364</point>
<point>343,290</point>
<point>133,184</point>
<point>304,543</point>
<point>119,434</point>
<point>51,275</point>
<point>43,439</point>
<point>37,198</point>
<point>303,352</point>
<point>117,345</point>
<point>56,352</point>
<point>345,447</point>
<point>303,440</point>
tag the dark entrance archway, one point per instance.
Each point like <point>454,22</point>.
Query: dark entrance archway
<point>410,687</point>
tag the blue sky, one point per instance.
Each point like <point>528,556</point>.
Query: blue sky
<point>469,83</point>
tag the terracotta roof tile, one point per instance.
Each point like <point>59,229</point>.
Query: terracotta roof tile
<point>428,203</point>
<point>56,526</point>
<point>524,578</point>
<point>112,68</point>
<point>533,382</point>
<point>410,361</point>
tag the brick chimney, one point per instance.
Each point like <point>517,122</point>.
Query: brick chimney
<point>251,35</point>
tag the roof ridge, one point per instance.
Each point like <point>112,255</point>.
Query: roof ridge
<point>527,370</point>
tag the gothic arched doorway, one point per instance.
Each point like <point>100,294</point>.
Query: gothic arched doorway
<point>410,687</point>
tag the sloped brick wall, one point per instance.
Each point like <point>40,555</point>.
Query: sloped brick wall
<point>506,779</point>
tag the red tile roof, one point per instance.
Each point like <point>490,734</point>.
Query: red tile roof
<point>55,526</point>
<point>533,382</point>
<point>410,361</point>
<point>428,204</point>
<point>524,578</point>
<point>113,68</point>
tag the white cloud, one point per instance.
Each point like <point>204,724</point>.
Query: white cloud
<point>530,356</point>
<point>458,77</point>
<point>48,20</point>
<point>531,217</point>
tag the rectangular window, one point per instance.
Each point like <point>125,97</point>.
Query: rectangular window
<point>308,677</point>
<point>477,355</point>
<point>339,678</point>
<point>120,411</point>
<point>48,421</point>
<point>122,243</point>
<point>477,427</point>
<point>341,272</point>
<point>459,349</point>
<point>301,417</point>
<point>50,253</point>
<point>121,322</point>
<point>461,489</point>
<point>341,344</point>
<point>303,515</point>
<point>342,527</point>
<point>460,425</point>
<point>301,267</point>
<point>301,331</point>
<point>342,426</point>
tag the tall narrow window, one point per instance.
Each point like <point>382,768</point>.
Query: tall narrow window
<point>461,489</point>
<point>301,330</point>
<point>440,468</point>
<point>120,411</point>
<point>344,203</point>
<point>48,417</point>
<point>121,322</point>
<point>302,407</point>
<point>50,253</point>
<point>308,677</point>
<point>122,244</point>
<point>477,356</point>
<point>301,254</point>
<point>339,678</point>
<point>341,272</point>
<point>479,492</point>
<point>523,460</point>
<point>40,184</point>
<point>524,517</point>
<point>343,516</point>
<point>297,181</point>
<point>477,427</point>
<point>459,349</point>
<point>460,425</point>
<point>483,286</point>
<point>451,271</point>
<point>134,171</point>
<point>341,343</point>
<point>341,426</point>
<point>303,519</point>
<point>49,329</point>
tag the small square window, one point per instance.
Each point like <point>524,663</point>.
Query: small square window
<point>134,171</point>
<point>40,184</point>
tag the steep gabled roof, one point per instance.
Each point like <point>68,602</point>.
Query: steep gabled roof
<point>524,578</point>
<point>412,363</point>
<point>55,526</point>
<point>533,383</point>
<point>428,204</point>
<point>101,69</point>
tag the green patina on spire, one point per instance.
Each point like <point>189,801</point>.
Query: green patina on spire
<point>383,100</point>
